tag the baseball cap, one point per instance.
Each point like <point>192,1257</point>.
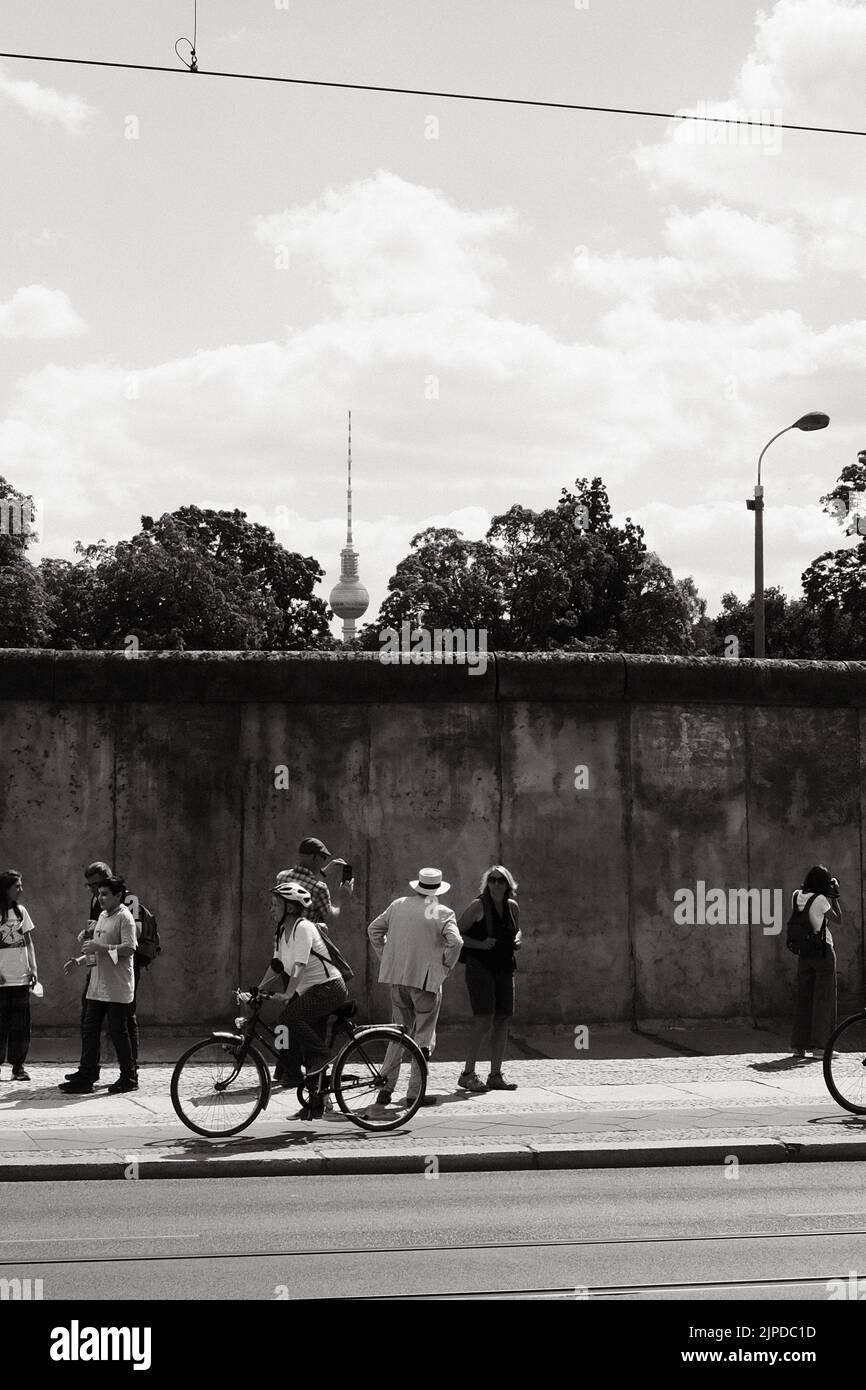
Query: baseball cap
<point>313,846</point>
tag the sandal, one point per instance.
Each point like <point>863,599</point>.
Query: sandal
<point>496,1082</point>
<point>470,1081</point>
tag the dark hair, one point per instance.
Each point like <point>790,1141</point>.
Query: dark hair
<point>100,867</point>
<point>116,886</point>
<point>818,880</point>
<point>7,878</point>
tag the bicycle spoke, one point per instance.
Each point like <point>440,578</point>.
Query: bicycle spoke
<point>846,1074</point>
<point>374,1077</point>
<point>212,1093</point>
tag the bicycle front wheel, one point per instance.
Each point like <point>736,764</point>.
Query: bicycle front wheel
<point>380,1060</point>
<point>845,1075</point>
<point>216,1094</point>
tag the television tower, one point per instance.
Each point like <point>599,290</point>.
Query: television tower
<point>349,598</point>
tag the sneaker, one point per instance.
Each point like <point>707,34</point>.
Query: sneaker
<point>19,1074</point>
<point>799,1053</point>
<point>470,1081</point>
<point>76,1088</point>
<point>123,1083</point>
<point>496,1082</point>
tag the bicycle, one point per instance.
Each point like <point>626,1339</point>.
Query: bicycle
<point>222,1083</point>
<point>845,1073</point>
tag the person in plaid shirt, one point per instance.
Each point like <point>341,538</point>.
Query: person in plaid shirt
<point>312,858</point>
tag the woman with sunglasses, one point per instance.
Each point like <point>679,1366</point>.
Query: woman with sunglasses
<point>490,928</point>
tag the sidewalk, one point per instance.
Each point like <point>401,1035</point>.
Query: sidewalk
<point>603,1108</point>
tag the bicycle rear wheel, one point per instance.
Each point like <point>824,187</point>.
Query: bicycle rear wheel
<point>359,1078</point>
<point>208,1098</point>
<point>845,1075</point>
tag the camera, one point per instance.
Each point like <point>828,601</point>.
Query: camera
<point>834,887</point>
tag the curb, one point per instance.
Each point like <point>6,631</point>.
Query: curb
<point>507,1158</point>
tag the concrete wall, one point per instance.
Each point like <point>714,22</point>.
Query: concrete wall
<point>740,774</point>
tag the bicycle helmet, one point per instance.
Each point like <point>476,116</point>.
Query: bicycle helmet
<point>292,893</point>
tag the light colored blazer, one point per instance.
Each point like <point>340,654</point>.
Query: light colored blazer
<point>415,949</point>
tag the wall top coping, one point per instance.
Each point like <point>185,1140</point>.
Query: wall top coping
<point>362,678</point>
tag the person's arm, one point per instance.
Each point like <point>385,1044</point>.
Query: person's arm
<point>518,934</point>
<point>295,974</point>
<point>378,932</point>
<point>453,942</point>
<point>474,913</point>
<point>31,958</point>
<point>835,909</point>
<point>127,935</point>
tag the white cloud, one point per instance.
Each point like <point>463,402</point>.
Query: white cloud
<point>34,311</point>
<point>716,244</point>
<point>46,104</point>
<point>390,246</point>
<point>805,68</point>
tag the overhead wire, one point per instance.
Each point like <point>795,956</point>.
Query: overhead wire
<point>444,96</point>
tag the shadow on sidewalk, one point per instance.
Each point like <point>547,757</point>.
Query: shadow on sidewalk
<point>786,1064</point>
<point>319,1133</point>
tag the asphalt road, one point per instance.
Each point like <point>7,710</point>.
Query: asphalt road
<point>776,1232</point>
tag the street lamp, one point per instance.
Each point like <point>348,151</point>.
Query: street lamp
<point>815,420</point>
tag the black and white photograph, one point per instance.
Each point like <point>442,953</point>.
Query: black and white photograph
<point>432,671</point>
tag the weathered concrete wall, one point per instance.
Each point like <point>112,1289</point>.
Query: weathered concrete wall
<point>739,774</point>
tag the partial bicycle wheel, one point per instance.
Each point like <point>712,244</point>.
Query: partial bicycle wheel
<point>360,1079</point>
<point>845,1074</point>
<point>214,1093</point>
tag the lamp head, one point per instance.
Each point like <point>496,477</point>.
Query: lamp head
<point>815,420</point>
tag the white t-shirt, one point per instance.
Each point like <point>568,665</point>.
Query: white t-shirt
<point>296,946</point>
<point>13,948</point>
<point>819,907</point>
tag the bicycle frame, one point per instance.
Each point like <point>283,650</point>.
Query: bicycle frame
<point>256,1031</point>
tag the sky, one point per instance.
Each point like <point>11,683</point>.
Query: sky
<point>201,276</point>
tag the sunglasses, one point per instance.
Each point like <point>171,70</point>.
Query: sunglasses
<point>496,878</point>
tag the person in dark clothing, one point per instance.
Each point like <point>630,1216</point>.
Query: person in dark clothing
<point>815,1016</point>
<point>490,928</point>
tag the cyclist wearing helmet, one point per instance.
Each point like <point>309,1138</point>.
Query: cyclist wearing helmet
<point>315,987</point>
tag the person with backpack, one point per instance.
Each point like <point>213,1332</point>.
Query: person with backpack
<point>17,974</point>
<point>146,950</point>
<point>315,982</point>
<point>108,956</point>
<point>810,941</point>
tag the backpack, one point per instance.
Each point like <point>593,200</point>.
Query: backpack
<point>148,947</point>
<point>335,956</point>
<point>802,939</point>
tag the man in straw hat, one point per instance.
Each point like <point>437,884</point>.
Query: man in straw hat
<point>417,942</point>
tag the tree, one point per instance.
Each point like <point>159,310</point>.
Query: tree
<point>445,582</point>
<point>561,579</point>
<point>192,579</point>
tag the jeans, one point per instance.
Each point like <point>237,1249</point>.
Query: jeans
<point>118,1015</point>
<point>15,1023</point>
<point>133,1021</point>
<point>815,1017</point>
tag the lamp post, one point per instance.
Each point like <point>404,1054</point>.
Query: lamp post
<point>815,420</point>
